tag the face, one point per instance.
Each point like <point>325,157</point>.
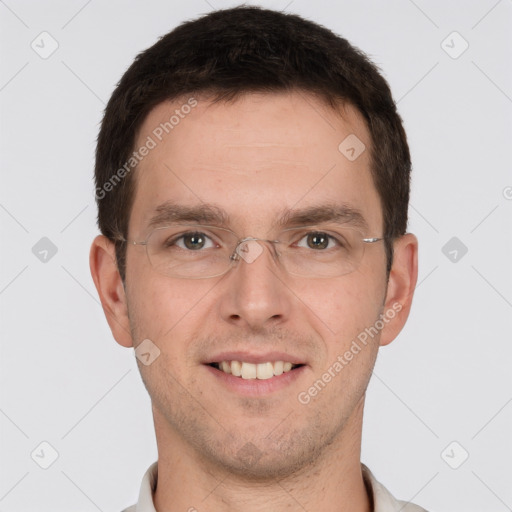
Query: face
<point>255,160</point>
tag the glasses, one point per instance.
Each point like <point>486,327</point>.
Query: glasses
<point>200,252</point>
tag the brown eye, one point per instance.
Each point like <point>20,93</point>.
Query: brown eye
<point>192,241</point>
<point>317,240</point>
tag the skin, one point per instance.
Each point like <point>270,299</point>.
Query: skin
<point>252,158</point>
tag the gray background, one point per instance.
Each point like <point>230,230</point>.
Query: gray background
<point>446,378</point>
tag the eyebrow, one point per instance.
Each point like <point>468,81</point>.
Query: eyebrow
<point>169,212</point>
<point>338,213</point>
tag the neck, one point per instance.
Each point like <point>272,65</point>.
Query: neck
<point>331,483</point>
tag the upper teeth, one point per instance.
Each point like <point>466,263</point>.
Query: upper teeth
<point>255,371</point>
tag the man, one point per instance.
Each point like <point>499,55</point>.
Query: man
<point>252,180</point>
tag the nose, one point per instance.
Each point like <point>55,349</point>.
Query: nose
<point>255,294</point>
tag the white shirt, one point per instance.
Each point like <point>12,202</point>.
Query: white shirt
<point>382,498</point>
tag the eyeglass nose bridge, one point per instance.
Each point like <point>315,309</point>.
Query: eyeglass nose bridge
<point>249,249</point>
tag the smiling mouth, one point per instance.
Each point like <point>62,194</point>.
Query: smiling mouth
<point>260,371</point>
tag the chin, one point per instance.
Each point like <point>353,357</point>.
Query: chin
<point>264,459</point>
<point>257,466</point>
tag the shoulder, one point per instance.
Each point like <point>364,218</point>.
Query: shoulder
<point>383,500</point>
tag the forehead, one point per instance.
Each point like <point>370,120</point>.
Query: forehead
<point>254,157</point>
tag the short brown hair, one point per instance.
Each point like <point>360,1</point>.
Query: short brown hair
<point>249,49</point>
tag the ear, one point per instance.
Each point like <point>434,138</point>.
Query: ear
<point>401,285</point>
<point>104,271</point>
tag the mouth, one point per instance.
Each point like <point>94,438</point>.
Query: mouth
<point>250,371</point>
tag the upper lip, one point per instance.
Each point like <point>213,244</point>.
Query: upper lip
<point>255,358</point>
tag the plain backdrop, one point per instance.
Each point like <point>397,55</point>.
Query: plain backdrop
<point>439,408</point>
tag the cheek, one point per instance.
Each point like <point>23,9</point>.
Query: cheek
<point>340,308</point>
<point>166,310</point>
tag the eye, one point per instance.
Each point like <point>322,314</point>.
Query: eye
<point>192,241</point>
<point>317,240</point>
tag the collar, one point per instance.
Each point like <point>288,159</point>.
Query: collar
<point>383,501</point>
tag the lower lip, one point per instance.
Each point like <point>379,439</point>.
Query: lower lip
<point>256,387</point>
